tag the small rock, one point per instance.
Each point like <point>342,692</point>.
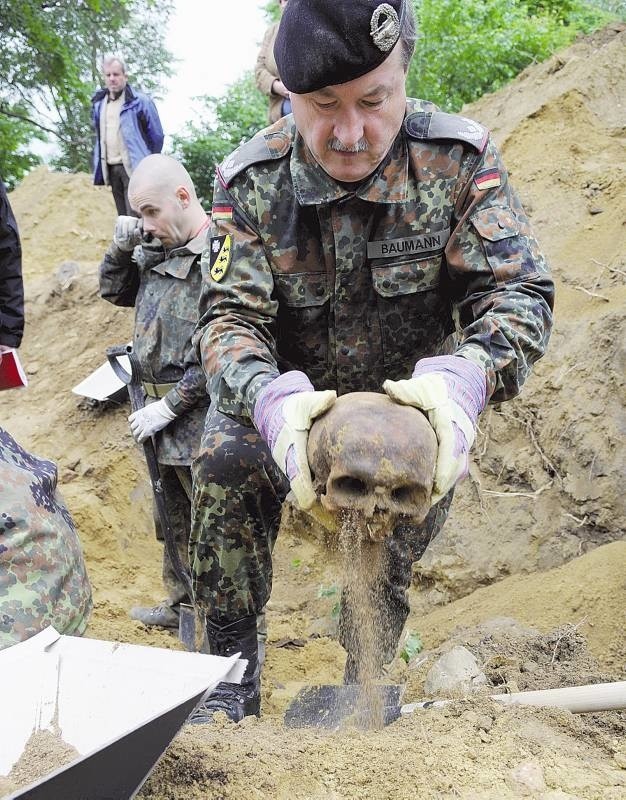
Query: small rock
<point>595,210</point>
<point>527,778</point>
<point>32,369</point>
<point>68,475</point>
<point>457,670</point>
<point>484,722</point>
<point>66,273</point>
<point>484,736</point>
<point>529,666</point>
<point>620,760</point>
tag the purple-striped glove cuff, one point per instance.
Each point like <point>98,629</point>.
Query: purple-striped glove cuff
<point>267,417</point>
<point>466,385</point>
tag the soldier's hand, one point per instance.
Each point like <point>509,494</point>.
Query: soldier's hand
<point>451,390</point>
<point>283,415</point>
<point>150,419</point>
<point>128,233</point>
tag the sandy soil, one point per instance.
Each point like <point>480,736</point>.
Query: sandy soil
<point>536,533</point>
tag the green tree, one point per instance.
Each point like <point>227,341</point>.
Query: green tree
<point>227,122</point>
<point>49,65</point>
<point>272,11</point>
<point>16,137</point>
<point>466,48</point>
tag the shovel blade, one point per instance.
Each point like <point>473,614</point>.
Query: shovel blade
<point>331,707</point>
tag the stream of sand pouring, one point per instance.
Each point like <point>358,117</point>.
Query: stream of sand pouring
<point>362,561</point>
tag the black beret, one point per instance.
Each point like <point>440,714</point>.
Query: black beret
<point>326,42</point>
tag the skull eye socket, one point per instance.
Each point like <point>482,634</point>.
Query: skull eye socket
<point>402,494</point>
<point>350,485</point>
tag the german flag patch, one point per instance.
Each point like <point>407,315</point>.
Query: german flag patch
<point>487,179</point>
<point>222,213</point>
<point>221,256</point>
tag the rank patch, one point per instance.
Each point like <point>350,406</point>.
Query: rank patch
<point>221,256</point>
<point>222,213</point>
<point>487,179</point>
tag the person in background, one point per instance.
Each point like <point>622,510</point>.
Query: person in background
<point>153,264</point>
<point>127,127</point>
<point>366,242</point>
<point>266,73</point>
<point>11,284</point>
<point>43,579</point>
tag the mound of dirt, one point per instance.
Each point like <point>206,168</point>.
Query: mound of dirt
<point>536,532</point>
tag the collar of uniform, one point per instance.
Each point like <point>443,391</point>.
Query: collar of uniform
<point>195,246</point>
<point>313,186</point>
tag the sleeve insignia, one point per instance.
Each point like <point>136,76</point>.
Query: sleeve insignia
<point>221,256</point>
<point>222,213</point>
<point>487,179</point>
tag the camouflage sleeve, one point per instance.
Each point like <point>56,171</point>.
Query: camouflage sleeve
<point>500,280</point>
<point>237,312</point>
<point>119,277</point>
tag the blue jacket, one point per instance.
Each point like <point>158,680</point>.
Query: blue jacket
<point>139,123</point>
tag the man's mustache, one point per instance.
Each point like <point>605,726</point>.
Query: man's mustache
<point>339,147</point>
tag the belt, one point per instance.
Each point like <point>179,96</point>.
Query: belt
<point>157,390</point>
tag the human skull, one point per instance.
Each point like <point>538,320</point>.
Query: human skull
<point>375,458</point>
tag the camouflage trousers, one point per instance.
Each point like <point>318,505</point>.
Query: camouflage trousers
<point>238,493</point>
<point>43,580</point>
<point>176,483</point>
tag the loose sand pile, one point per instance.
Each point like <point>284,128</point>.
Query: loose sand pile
<point>536,532</point>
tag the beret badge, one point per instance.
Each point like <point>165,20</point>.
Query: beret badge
<point>384,27</point>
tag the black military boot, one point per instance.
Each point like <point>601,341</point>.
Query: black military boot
<point>235,700</point>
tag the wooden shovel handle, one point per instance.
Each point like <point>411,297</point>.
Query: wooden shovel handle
<point>577,699</point>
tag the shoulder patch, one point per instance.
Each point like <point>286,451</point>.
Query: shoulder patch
<point>262,147</point>
<point>439,125</point>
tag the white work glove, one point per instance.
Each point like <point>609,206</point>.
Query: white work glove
<point>283,415</point>
<point>128,233</point>
<point>150,419</point>
<point>451,390</point>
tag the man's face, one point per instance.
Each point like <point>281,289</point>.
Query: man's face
<point>350,127</point>
<point>162,213</point>
<point>114,76</point>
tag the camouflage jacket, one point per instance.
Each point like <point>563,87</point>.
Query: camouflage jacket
<point>432,253</point>
<point>43,580</point>
<point>164,289</point>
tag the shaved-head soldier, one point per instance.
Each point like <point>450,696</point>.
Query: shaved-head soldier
<point>153,264</point>
<point>367,242</point>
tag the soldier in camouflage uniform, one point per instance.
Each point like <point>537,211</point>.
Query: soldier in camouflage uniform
<point>43,580</point>
<point>366,243</point>
<point>153,264</point>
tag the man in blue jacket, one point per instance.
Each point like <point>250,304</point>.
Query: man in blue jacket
<point>127,127</point>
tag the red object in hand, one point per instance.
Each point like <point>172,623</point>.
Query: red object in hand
<point>12,375</point>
